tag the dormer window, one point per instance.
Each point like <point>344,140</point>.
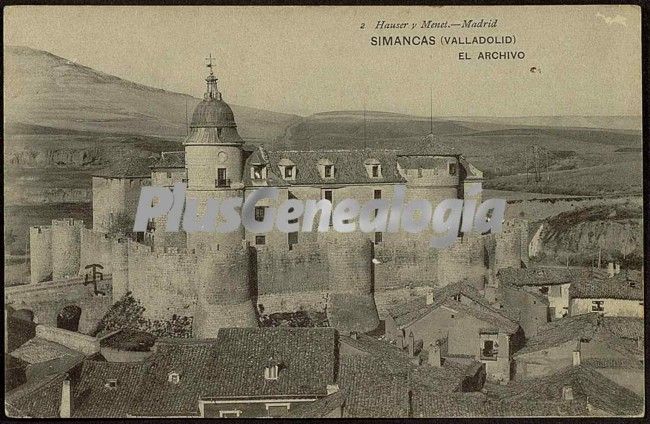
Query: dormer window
<point>271,372</point>
<point>373,168</point>
<point>174,377</point>
<point>111,383</point>
<point>258,172</point>
<point>287,169</point>
<point>326,168</point>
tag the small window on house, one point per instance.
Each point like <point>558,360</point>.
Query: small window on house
<point>169,174</point>
<point>375,171</point>
<point>489,349</point>
<point>174,378</point>
<point>543,290</point>
<point>259,213</point>
<point>452,169</point>
<point>260,240</point>
<point>419,172</point>
<point>597,306</point>
<point>271,372</point>
<point>377,194</point>
<point>378,237</point>
<point>328,171</point>
<point>111,383</point>
<point>230,414</point>
<point>327,195</point>
<point>289,172</point>
<point>277,409</point>
<point>257,172</point>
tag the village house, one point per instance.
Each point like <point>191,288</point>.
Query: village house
<point>604,343</point>
<point>460,319</point>
<point>552,283</point>
<point>615,294</point>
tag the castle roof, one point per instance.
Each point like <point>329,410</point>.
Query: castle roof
<point>349,166</point>
<point>128,168</point>
<point>37,399</point>
<point>213,112</point>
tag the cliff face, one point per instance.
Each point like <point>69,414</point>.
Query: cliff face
<point>615,230</point>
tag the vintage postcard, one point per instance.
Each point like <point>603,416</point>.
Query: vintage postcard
<point>323,212</point>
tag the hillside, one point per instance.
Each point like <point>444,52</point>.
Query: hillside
<point>47,90</point>
<point>579,160</point>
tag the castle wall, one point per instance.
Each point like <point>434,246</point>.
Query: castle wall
<point>202,161</point>
<point>204,241</point>
<point>66,248</point>
<point>115,196</point>
<point>40,253</point>
<point>511,245</point>
<point>96,248</point>
<point>120,268</point>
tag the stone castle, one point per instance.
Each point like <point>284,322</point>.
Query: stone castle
<point>228,279</point>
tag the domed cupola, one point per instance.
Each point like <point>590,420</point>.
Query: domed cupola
<point>213,121</point>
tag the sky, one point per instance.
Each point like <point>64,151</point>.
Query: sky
<point>309,59</point>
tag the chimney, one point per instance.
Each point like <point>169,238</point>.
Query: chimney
<point>576,358</point>
<point>567,393</point>
<point>430,298</point>
<point>617,268</point>
<point>65,409</point>
<point>332,388</point>
<point>435,359</point>
<point>411,344</point>
<point>610,269</point>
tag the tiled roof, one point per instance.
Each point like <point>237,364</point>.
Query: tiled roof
<point>540,276</point>
<point>349,166</point>
<point>626,285</point>
<point>306,358</point>
<point>131,167</point>
<point>92,397</point>
<point>170,160</point>
<point>375,389</point>
<point>38,399</point>
<point>584,326</point>
<point>319,408</point>
<point>38,350</point>
<point>352,312</point>
<point>409,312</point>
<point>421,161</point>
<point>427,403</point>
<point>193,361</point>
<point>538,408</point>
<point>587,385</point>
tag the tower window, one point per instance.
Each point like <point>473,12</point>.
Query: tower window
<point>222,180</point>
<point>292,238</point>
<point>377,194</point>
<point>259,213</point>
<point>260,240</point>
<point>378,237</point>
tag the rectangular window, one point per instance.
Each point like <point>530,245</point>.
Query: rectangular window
<point>222,181</point>
<point>489,349</point>
<point>597,306</point>
<point>258,172</point>
<point>378,237</point>
<point>169,175</point>
<point>260,240</point>
<point>329,171</point>
<point>292,238</point>
<point>259,213</point>
<point>419,172</point>
<point>230,414</point>
<point>288,172</point>
<point>328,195</point>
<point>375,171</point>
<point>277,410</point>
<point>452,169</point>
<point>377,194</point>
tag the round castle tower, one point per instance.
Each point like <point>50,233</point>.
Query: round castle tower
<point>214,160</point>
<point>66,248</point>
